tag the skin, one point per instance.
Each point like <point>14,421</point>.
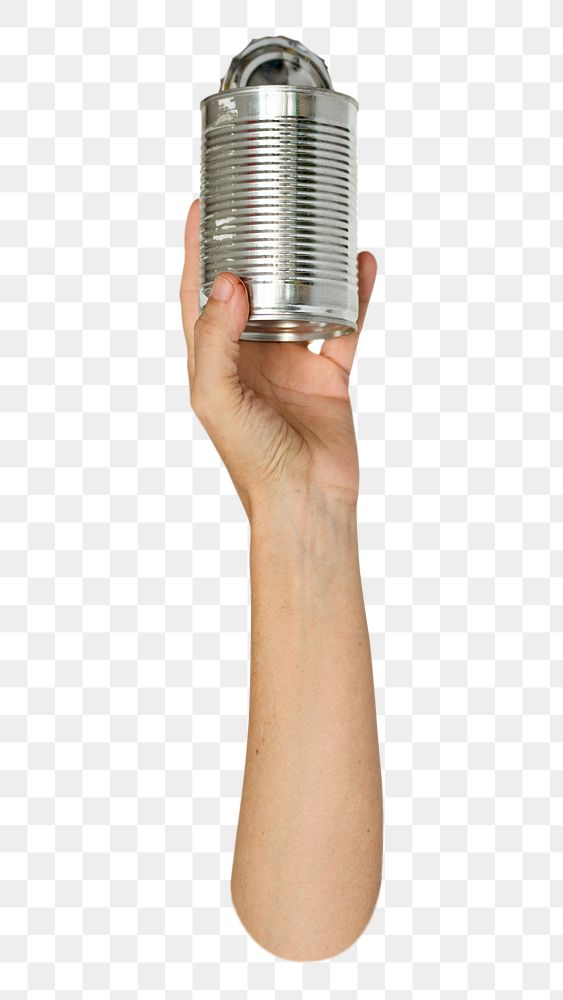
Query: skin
<point>307,862</point>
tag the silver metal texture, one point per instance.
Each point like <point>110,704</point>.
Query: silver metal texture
<point>278,194</point>
<point>276,59</point>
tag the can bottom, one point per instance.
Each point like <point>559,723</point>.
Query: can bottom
<point>298,330</point>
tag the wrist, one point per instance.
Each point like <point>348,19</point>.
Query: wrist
<point>306,520</point>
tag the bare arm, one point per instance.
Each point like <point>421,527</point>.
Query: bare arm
<point>307,862</point>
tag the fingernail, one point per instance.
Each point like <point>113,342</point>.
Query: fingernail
<point>222,289</point>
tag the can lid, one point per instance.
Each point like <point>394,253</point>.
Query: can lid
<point>275,60</point>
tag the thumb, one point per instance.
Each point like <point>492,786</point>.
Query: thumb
<point>217,330</point>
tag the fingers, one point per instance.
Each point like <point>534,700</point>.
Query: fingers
<point>343,349</point>
<point>367,271</point>
<point>189,285</point>
<point>216,390</point>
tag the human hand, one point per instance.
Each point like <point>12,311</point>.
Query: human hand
<point>278,414</point>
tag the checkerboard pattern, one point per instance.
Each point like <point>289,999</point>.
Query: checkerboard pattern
<point>124,588</point>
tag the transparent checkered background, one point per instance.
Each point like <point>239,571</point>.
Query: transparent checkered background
<point>124,577</point>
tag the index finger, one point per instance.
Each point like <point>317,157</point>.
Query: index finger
<point>189,284</point>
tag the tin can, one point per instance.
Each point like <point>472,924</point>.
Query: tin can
<point>278,197</point>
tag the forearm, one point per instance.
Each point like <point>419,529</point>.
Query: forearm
<point>307,861</point>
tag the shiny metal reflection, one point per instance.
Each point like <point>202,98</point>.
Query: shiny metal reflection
<point>278,192</point>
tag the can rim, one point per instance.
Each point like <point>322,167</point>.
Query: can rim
<point>280,87</point>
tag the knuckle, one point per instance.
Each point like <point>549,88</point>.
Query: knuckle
<point>195,398</point>
<point>202,323</point>
<point>199,402</point>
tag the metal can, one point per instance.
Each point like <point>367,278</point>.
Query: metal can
<point>278,197</point>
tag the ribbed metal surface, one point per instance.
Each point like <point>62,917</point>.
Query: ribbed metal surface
<point>278,207</point>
